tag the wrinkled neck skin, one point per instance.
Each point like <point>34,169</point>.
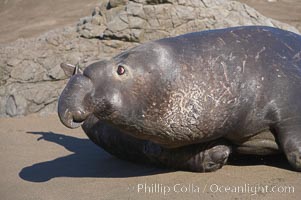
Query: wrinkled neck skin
<point>134,102</point>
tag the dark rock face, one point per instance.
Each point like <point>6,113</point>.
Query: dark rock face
<point>30,74</point>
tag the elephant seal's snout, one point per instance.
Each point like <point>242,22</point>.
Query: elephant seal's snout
<point>75,105</point>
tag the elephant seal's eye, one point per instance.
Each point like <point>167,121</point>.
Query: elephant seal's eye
<point>120,70</point>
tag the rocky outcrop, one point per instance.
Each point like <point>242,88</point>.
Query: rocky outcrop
<point>31,79</point>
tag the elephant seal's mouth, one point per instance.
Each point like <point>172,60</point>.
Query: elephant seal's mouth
<point>73,119</point>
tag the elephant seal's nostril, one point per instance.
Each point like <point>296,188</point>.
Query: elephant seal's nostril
<point>74,124</point>
<point>68,120</point>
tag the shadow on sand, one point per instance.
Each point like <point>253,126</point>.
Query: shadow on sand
<point>277,160</point>
<point>87,160</point>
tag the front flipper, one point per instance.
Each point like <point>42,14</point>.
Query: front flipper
<point>205,157</point>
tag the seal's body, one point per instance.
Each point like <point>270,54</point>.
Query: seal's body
<point>176,96</point>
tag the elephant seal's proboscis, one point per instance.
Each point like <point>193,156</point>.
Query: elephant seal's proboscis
<point>187,102</point>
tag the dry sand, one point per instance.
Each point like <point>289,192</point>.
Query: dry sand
<point>29,18</point>
<point>41,159</point>
<point>287,11</point>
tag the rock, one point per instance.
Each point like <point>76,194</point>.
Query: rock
<point>97,20</point>
<point>55,73</point>
<point>27,71</point>
<point>135,9</point>
<point>154,2</point>
<point>31,79</point>
<point>13,61</point>
<point>93,31</point>
<point>118,24</point>
<point>116,3</point>
<point>22,99</point>
<point>4,75</point>
<point>138,20</point>
<point>11,107</point>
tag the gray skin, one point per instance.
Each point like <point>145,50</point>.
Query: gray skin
<point>187,102</point>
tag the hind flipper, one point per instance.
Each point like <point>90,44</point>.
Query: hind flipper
<point>263,143</point>
<point>205,157</point>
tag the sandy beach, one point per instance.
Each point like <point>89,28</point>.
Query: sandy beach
<point>41,159</point>
<point>29,18</point>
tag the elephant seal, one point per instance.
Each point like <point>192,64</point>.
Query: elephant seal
<point>187,102</point>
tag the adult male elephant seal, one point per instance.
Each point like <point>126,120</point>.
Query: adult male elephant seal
<point>186,102</point>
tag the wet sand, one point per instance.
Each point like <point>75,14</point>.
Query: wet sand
<point>41,159</point>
